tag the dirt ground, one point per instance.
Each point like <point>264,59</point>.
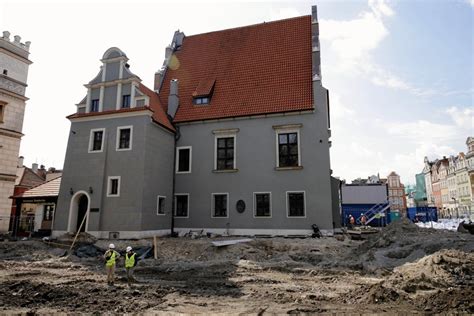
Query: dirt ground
<point>402,269</point>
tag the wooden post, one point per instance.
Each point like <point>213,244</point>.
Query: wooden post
<point>155,248</point>
<point>77,234</point>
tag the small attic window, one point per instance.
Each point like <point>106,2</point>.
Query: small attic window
<point>201,100</point>
<point>203,92</point>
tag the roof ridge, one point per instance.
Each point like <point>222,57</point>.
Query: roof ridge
<point>251,25</point>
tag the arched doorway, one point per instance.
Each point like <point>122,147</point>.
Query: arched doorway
<point>81,212</point>
<point>78,210</point>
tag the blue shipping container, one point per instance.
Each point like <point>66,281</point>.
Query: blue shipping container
<point>422,214</point>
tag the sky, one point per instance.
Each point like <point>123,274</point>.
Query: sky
<point>399,73</point>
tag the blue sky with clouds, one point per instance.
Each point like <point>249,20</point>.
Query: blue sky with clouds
<point>400,73</point>
<point>406,88</point>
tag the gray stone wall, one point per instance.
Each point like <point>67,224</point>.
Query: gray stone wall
<point>256,162</point>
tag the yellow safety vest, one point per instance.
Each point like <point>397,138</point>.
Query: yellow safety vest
<point>111,261</point>
<point>129,261</point>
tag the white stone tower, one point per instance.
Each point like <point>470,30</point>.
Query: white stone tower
<point>14,65</point>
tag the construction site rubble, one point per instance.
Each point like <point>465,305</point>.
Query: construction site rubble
<point>402,268</point>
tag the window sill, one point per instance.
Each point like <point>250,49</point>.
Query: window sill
<point>225,170</point>
<point>288,168</point>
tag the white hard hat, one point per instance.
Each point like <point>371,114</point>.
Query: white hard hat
<point>129,248</point>
<point>112,246</point>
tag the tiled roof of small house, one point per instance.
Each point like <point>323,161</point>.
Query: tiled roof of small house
<point>50,188</point>
<point>257,69</point>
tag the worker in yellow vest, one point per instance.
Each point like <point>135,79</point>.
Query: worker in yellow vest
<point>130,263</point>
<point>110,257</point>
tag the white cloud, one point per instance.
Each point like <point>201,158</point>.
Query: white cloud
<point>463,118</point>
<point>381,8</point>
<point>338,109</point>
<point>422,131</point>
<point>353,40</point>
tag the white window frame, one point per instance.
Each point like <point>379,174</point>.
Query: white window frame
<point>190,158</point>
<point>109,187</point>
<point>288,205</point>
<point>158,205</point>
<point>176,205</point>
<point>119,128</point>
<point>213,204</point>
<point>255,204</point>
<point>227,135</point>
<point>286,131</point>
<point>91,140</point>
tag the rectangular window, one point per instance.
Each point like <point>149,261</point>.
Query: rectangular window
<point>2,111</point>
<point>95,105</point>
<point>160,208</point>
<point>124,138</point>
<point>262,204</point>
<point>126,101</point>
<point>220,204</point>
<point>288,151</point>
<point>225,153</point>
<point>183,159</point>
<point>295,204</point>
<point>181,205</point>
<point>96,141</point>
<point>113,187</point>
<point>48,211</point>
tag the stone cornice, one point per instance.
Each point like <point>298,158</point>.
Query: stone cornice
<point>7,177</point>
<point>10,133</point>
<point>12,85</point>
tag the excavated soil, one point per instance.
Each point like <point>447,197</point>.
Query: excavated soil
<point>402,269</point>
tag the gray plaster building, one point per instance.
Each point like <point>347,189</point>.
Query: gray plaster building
<point>234,138</point>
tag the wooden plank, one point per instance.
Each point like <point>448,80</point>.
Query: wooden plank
<point>222,243</point>
<point>155,248</point>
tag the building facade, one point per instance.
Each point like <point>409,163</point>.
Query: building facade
<point>450,182</point>
<point>428,181</point>
<point>14,65</point>
<point>463,185</point>
<point>229,141</point>
<point>470,171</point>
<point>396,194</point>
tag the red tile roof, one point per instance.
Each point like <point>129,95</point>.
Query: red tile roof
<point>159,114</point>
<point>258,69</point>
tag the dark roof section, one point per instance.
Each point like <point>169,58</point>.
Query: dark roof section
<point>258,69</point>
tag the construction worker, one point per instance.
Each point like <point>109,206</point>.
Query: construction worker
<point>110,257</point>
<point>130,263</point>
<point>351,221</point>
